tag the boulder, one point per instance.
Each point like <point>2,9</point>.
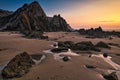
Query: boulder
<point>66,58</point>
<point>66,44</point>
<point>102,45</point>
<point>85,45</point>
<point>58,50</point>
<point>90,66</point>
<point>105,55</point>
<point>18,66</point>
<point>111,76</point>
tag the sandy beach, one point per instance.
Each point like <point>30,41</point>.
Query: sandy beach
<point>12,44</point>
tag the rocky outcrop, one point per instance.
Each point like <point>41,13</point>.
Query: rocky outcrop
<point>5,13</point>
<point>66,44</point>
<point>58,50</point>
<point>83,46</point>
<point>18,66</point>
<point>57,23</point>
<point>98,33</point>
<point>102,45</point>
<point>30,18</point>
<point>94,33</point>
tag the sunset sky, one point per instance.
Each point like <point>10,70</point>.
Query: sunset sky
<point>78,13</point>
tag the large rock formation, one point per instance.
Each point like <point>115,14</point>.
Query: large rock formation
<point>30,18</point>
<point>82,46</point>
<point>57,23</point>
<point>5,13</point>
<point>98,33</point>
<point>18,66</point>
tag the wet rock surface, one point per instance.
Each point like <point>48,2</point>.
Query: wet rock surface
<point>18,66</point>
<point>102,45</point>
<point>90,66</point>
<point>105,55</point>
<point>58,50</point>
<point>84,45</point>
<point>66,58</point>
<point>111,76</point>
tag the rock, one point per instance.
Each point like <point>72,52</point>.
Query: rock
<point>110,38</point>
<point>66,58</point>
<point>5,13</point>
<point>93,33</point>
<point>66,44</point>
<point>58,50</point>
<point>35,34</point>
<point>44,37</point>
<point>85,45</point>
<point>105,55</point>
<point>31,18</point>
<point>113,44</point>
<point>36,56</point>
<point>90,66</point>
<point>111,76</point>
<point>98,33</point>
<point>57,23</point>
<point>18,66</point>
<point>102,45</point>
<point>117,54</point>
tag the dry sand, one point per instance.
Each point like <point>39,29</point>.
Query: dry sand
<point>51,69</point>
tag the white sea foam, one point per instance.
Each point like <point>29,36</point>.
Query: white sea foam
<point>39,61</point>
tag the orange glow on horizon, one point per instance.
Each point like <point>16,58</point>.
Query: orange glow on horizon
<point>104,13</point>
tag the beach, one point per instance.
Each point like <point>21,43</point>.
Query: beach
<point>12,44</point>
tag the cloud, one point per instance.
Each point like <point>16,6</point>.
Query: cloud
<point>107,21</point>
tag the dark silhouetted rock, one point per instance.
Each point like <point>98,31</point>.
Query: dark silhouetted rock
<point>105,55</point>
<point>57,23</point>
<point>102,45</point>
<point>117,54</point>
<point>66,58</point>
<point>113,44</point>
<point>66,44</point>
<point>5,13</point>
<point>98,33</point>
<point>111,76</point>
<point>18,66</point>
<point>90,66</point>
<point>93,33</point>
<point>85,45</point>
<point>58,50</point>
<point>30,18</point>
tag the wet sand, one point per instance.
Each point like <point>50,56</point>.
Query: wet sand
<point>51,69</point>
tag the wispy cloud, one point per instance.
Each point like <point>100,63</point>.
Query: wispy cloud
<point>107,21</point>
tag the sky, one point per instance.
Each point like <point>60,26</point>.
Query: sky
<point>78,13</point>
